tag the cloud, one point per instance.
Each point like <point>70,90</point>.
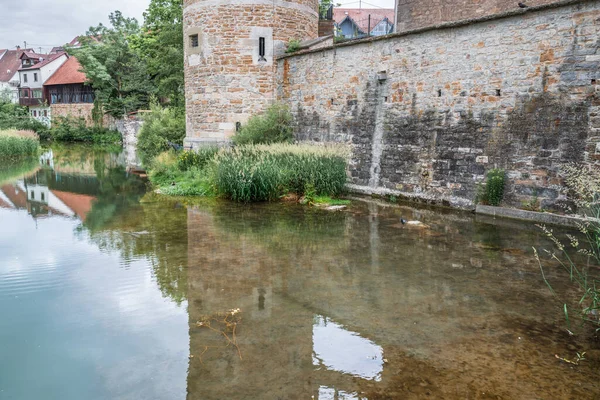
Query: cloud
<point>45,24</point>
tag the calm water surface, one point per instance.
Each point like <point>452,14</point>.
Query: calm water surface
<point>107,292</point>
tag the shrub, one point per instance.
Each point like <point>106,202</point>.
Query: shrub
<point>161,126</point>
<point>13,116</point>
<point>493,191</point>
<point>16,144</point>
<point>70,129</point>
<point>198,158</point>
<point>274,126</point>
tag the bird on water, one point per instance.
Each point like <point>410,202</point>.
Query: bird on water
<point>523,5</point>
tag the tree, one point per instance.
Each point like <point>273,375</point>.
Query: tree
<point>161,44</point>
<point>114,68</point>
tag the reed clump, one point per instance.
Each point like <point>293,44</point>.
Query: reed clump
<point>16,144</point>
<point>254,173</point>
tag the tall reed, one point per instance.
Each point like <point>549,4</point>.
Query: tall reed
<point>18,144</point>
<point>266,172</point>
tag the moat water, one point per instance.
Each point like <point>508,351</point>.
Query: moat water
<point>109,292</point>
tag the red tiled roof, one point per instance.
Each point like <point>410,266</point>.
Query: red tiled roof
<point>33,54</point>
<point>360,16</point>
<point>79,203</point>
<point>48,60</point>
<point>16,196</point>
<point>67,73</point>
<point>9,64</point>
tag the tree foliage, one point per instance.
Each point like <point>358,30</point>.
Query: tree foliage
<point>126,64</point>
<point>114,68</point>
<point>161,44</point>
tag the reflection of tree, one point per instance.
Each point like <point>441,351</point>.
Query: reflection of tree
<point>145,230</point>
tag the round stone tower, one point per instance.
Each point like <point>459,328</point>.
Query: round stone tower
<point>230,69</point>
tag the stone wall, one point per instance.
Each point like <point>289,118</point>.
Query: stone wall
<point>80,110</point>
<point>415,14</point>
<point>429,113</point>
<point>226,79</point>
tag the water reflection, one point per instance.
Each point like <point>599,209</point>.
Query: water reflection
<point>132,293</point>
<point>338,349</point>
<point>72,182</point>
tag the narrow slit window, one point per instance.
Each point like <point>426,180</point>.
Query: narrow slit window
<point>194,40</point>
<point>261,49</point>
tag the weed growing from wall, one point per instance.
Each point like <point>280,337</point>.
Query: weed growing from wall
<point>493,190</point>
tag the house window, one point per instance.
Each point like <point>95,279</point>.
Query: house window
<point>32,195</point>
<point>34,113</point>
<point>43,197</point>
<point>45,113</point>
<point>37,94</point>
<point>194,40</point>
<point>25,78</point>
<point>261,49</point>
<point>25,93</point>
<point>35,77</point>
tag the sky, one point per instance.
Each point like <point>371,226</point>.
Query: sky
<point>50,23</point>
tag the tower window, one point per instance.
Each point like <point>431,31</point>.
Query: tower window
<point>261,49</point>
<point>194,40</point>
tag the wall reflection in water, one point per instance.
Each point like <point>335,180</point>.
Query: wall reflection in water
<point>355,305</point>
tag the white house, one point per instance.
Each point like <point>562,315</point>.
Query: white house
<point>9,75</point>
<point>36,69</point>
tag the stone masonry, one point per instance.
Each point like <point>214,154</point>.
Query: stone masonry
<point>415,14</point>
<point>227,80</point>
<point>429,112</point>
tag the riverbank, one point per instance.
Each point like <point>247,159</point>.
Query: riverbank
<point>254,173</point>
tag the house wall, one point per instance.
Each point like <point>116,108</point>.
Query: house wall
<point>44,73</point>
<point>520,93</point>
<point>414,14</point>
<point>10,91</point>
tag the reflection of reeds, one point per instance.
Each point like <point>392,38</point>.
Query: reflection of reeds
<point>224,324</point>
<point>17,170</point>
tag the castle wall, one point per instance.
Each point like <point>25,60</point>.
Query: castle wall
<point>429,113</point>
<point>415,14</point>
<point>226,82</point>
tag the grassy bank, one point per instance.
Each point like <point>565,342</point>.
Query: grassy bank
<point>253,173</point>
<point>15,144</point>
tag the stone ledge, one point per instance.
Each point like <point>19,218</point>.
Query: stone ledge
<point>423,198</point>
<point>533,216</point>
<point>445,25</point>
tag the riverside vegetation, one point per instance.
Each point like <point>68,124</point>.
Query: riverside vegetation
<point>579,255</point>
<point>17,144</point>
<point>64,129</point>
<point>253,173</point>
<point>263,165</point>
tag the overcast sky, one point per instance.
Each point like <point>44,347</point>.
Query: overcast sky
<point>50,23</point>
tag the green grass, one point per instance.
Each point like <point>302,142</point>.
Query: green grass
<point>254,173</point>
<point>326,200</point>
<point>18,144</point>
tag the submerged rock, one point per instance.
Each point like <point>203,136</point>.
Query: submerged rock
<point>335,208</point>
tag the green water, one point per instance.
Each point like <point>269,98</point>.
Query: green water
<point>108,292</point>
